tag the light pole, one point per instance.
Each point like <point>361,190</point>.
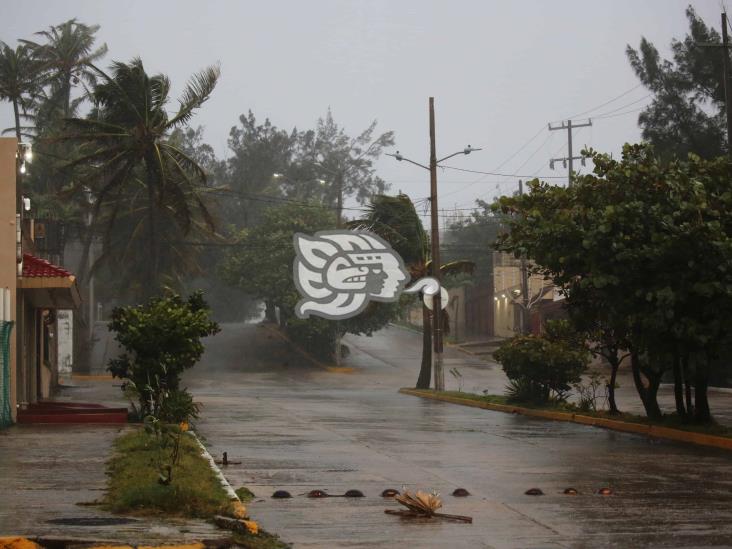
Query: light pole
<point>437,343</point>
<point>90,262</point>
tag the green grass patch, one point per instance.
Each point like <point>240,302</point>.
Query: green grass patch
<point>134,486</point>
<point>672,421</point>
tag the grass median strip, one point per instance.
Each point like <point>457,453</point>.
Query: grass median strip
<point>135,487</point>
<point>671,428</point>
<point>192,490</point>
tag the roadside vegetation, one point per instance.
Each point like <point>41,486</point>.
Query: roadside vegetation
<point>136,487</point>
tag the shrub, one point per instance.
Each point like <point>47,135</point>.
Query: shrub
<point>178,407</point>
<point>538,366</point>
<point>161,339</point>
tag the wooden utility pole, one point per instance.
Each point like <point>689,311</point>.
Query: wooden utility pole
<point>727,87</point>
<point>436,299</point>
<point>524,284</point>
<point>569,126</point>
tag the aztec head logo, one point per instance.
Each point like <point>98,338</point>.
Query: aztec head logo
<point>338,272</point>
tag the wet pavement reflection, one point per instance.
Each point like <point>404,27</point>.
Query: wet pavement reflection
<point>296,427</point>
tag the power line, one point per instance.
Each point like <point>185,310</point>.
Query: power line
<point>501,174</point>
<point>606,102</point>
<point>619,114</point>
<point>605,114</point>
<point>520,149</point>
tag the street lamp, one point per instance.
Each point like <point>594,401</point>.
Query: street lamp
<point>435,231</point>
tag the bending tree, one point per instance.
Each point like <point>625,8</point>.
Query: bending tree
<point>144,185</point>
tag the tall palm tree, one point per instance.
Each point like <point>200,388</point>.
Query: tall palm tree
<point>137,169</point>
<point>67,56</point>
<point>20,81</point>
<point>395,219</point>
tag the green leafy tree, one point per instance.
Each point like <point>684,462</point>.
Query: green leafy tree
<point>161,340</point>
<point>345,163</point>
<point>262,262</point>
<point>687,113</point>
<point>258,152</point>
<point>644,248</point>
<point>148,191</point>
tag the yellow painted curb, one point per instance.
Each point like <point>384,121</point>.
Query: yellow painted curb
<point>92,377</point>
<point>16,542</point>
<point>654,431</point>
<point>310,358</point>
<point>184,546</point>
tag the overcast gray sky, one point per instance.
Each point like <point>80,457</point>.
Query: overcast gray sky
<point>499,70</point>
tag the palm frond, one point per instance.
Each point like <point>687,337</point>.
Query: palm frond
<point>196,92</point>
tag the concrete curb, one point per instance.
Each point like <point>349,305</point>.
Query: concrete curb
<point>653,431</point>
<point>307,356</point>
<point>215,468</point>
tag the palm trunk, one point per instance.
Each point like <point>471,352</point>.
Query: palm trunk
<point>16,112</point>
<point>425,370</point>
<point>153,282</point>
<point>18,175</point>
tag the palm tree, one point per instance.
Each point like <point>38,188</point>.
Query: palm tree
<point>142,179</point>
<point>20,81</point>
<point>67,56</point>
<point>395,219</point>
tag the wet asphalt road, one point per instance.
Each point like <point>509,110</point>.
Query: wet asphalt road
<point>297,427</point>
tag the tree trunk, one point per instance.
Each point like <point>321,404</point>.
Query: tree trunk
<point>18,175</point>
<point>679,386</point>
<point>270,312</point>
<point>687,386</point>
<point>702,414</point>
<point>614,365</point>
<point>153,282</point>
<point>425,370</point>
<point>648,395</point>
<point>16,112</point>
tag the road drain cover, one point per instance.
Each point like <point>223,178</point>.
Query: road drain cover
<point>91,521</point>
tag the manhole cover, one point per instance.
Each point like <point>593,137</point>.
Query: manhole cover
<point>91,521</point>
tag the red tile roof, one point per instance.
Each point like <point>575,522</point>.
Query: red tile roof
<point>35,267</point>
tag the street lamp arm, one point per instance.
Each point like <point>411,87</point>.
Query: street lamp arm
<point>399,157</point>
<point>464,151</point>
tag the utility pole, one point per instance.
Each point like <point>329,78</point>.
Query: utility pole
<point>569,126</point>
<point>524,284</point>
<point>437,331</point>
<point>727,87</point>
<point>437,298</point>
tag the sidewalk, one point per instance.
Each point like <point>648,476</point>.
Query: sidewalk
<point>50,473</point>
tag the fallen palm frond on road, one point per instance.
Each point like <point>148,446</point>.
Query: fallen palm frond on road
<point>423,505</point>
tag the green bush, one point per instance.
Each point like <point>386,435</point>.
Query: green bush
<point>161,339</point>
<point>178,406</point>
<point>543,367</point>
